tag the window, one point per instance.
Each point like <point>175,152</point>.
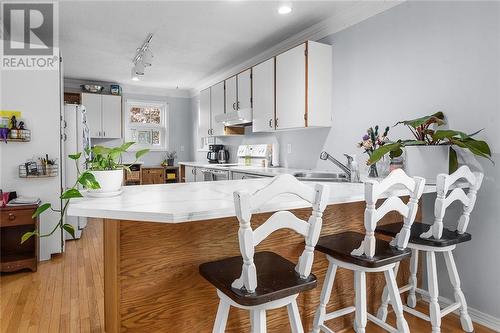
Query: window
<point>146,124</point>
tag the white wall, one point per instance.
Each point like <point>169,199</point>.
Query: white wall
<point>37,95</point>
<point>413,60</point>
<point>179,121</point>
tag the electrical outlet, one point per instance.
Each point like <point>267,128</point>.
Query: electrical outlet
<point>182,148</point>
<point>289,148</point>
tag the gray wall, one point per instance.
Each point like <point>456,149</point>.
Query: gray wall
<point>415,59</point>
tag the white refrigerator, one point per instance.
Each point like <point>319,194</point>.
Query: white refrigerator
<point>76,139</point>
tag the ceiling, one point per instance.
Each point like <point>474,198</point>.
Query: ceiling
<point>192,40</point>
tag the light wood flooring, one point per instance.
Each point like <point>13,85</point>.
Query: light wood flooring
<point>66,294</point>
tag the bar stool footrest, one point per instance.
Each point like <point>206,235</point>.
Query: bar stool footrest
<point>340,313</point>
<point>381,323</point>
<point>416,313</point>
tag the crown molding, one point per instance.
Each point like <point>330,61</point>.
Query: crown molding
<point>339,21</point>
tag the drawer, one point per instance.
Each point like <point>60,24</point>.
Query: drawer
<point>16,217</point>
<point>133,175</point>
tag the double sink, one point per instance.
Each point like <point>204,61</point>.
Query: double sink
<point>322,177</point>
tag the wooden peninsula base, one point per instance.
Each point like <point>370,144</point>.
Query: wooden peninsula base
<point>152,282</point>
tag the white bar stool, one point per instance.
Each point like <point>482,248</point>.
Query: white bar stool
<point>264,280</point>
<point>433,239</point>
<point>374,255</point>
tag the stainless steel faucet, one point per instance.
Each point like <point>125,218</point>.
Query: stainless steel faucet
<point>346,168</point>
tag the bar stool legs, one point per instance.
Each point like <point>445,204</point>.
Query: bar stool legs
<point>360,316</point>
<point>221,318</point>
<point>396,303</point>
<point>258,320</point>
<point>432,280</point>
<point>382,310</point>
<point>412,298</point>
<point>465,319</point>
<point>326,292</point>
<point>294,317</point>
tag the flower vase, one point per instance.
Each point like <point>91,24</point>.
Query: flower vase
<point>373,172</point>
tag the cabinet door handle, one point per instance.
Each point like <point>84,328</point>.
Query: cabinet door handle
<point>276,122</point>
<point>238,105</point>
<point>12,217</point>
<point>208,131</point>
<point>234,106</point>
<point>104,133</point>
<point>271,123</point>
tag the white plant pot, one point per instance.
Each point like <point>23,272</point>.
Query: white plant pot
<point>427,161</point>
<point>109,180</point>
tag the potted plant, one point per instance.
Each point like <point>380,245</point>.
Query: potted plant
<point>371,141</point>
<point>104,165</point>
<point>101,159</point>
<point>431,152</point>
<point>169,158</point>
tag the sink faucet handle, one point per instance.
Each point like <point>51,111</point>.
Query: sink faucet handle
<point>324,155</point>
<point>350,158</point>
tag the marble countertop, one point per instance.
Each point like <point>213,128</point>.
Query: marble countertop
<point>184,202</point>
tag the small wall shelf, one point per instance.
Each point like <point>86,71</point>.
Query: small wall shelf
<point>18,136</point>
<point>37,170</point>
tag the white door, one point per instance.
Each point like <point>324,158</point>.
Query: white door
<point>263,96</point>
<point>291,88</point>
<point>244,90</point>
<point>111,116</point>
<point>217,107</point>
<point>92,103</point>
<point>204,114</point>
<point>231,94</point>
<point>190,175</point>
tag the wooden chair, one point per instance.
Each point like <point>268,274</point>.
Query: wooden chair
<point>264,280</point>
<point>433,239</point>
<point>363,253</point>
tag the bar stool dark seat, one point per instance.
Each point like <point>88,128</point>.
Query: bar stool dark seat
<point>277,278</point>
<point>449,237</point>
<point>433,239</point>
<point>363,253</point>
<point>340,246</point>
<point>261,281</point>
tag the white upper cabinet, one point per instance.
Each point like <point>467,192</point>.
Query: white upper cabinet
<point>263,96</point>
<point>291,88</point>
<point>217,107</point>
<point>319,85</point>
<point>231,94</point>
<point>104,115</point>
<point>204,121</point>
<point>244,88</point>
<point>304,87</point>
<point>92,103</point>
<point>111,116</point>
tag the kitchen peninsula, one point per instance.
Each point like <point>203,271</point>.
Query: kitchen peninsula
<point>156,236</point>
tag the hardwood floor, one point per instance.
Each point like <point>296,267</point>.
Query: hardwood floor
<point>66,294</point>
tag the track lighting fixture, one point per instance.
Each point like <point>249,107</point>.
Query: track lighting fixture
<point>142,59</point>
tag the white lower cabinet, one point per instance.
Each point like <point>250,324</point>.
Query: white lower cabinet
<point>190,174</point>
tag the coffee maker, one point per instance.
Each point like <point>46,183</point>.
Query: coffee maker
<point>212,155</point>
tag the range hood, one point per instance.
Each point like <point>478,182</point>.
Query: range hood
<point>241,117</point>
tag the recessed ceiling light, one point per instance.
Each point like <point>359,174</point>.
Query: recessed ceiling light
<point>284,9</point>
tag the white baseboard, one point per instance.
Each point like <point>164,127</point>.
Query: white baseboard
<point>477,316</point>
